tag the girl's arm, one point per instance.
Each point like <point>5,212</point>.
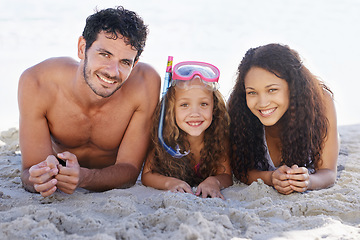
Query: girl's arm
<point>212,185</point>
<point>161,182</point>
<point>326,170</point>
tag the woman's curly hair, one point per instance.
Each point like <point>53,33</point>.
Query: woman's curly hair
<point>216,147</point>
<point>303,126</point>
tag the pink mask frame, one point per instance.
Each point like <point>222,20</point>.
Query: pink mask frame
<point>206,71</point>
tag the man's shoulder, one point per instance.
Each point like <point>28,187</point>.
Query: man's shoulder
<point>57,64</point>
<point>145,72</point>
<point>47,72</point>
<point>145,79</point>
<point>143,85</point>
<point>52,64</point>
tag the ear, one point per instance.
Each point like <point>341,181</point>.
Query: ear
<point>81,47</point>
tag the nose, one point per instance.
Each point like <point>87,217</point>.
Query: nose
<point>263,101</point>
<point>195,111</point>
<point>114,69</point>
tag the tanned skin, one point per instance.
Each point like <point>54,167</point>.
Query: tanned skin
<point>97,122</point>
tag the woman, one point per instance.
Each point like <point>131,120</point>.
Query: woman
<point>283,123</point>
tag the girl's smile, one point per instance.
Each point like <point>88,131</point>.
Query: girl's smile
<point>193,110</point>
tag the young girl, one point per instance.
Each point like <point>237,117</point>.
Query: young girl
<point>283,123</point>
<point>196,120</point>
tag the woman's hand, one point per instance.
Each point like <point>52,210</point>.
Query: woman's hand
<point>280,180</point>
<point>209,187</point>
<point>299,178</point>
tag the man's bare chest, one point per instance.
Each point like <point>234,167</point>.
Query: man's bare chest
<point>102,129</point>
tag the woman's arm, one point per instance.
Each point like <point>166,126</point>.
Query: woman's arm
<point>326,169</point>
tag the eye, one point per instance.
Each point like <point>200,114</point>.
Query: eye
<point>273,90</point>
<point>106,55</point>
<point>184,105</point>
<point>126,62</point>
<point>251,93</point>
<point>204,104</point>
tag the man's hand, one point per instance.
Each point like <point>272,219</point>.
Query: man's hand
<point>42,176</point>
<point>280,180</point>
<point>209,187</point>
<point>68,177</point>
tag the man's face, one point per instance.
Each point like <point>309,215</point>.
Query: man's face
<point>108,64</point>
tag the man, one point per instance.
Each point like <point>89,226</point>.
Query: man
<point>92,116</point>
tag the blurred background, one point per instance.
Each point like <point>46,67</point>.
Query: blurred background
<point>326,33</point>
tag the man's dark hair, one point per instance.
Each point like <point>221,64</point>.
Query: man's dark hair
<point>117,21</point>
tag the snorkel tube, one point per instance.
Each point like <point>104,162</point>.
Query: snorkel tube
<point>167,80</point>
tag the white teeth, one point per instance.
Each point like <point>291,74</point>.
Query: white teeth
<point>194,123</point>
<point>265,112</point>
<point>105,80</point>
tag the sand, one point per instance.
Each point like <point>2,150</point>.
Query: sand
<point>249,212</point>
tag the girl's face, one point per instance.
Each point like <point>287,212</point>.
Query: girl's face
<point>193,110</point>
<point>267,96</point>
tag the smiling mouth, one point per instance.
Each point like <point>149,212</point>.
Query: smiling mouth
<point>195,124</point>
<point>266,113</point>
<point>105,79</point>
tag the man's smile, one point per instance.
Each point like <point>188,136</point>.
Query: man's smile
<point>102,78</point>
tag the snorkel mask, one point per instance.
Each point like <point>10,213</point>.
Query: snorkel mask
<point>185,73</point>
<point>183,77</point>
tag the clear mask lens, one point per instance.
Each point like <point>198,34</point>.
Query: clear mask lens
<point>196,82</point>
<point>188,70</point>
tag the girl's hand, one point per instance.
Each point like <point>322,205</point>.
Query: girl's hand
<point>209,187</point>
<point>177,185</point>
<point>299,178</point>
<point>280,180</point>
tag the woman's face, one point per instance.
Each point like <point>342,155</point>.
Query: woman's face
<point>267,95</point>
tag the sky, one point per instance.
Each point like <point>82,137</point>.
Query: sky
<point>326,34</point>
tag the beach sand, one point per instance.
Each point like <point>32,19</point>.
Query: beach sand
<point>249,212</point>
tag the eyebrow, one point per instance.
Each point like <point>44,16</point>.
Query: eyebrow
<point>189,98</point>
<point>104,50</point>
<point>267,86</point>
<point>271,85</point>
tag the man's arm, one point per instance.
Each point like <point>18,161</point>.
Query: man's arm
<point>35,142</point>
